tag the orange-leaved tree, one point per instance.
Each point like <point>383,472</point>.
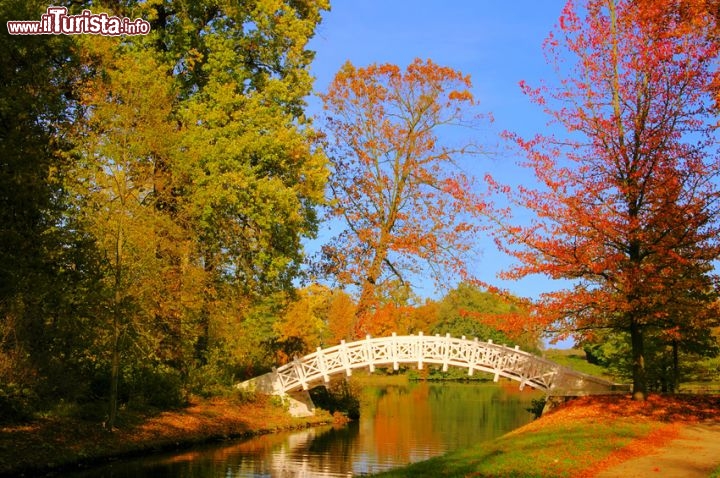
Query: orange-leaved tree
<point>405,205</point>
<point>627,205</point>
<point>398,309</point>
<point>688,17</point>
<point>303,327</point>
<point>340,316</point>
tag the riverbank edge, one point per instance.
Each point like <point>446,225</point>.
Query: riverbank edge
<point>52,445</point>
<point>580,438</point>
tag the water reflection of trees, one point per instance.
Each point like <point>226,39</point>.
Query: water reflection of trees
<point>488,411</point>
<point>399,424</point>
<point>439,416</point>
<point>402,428</point>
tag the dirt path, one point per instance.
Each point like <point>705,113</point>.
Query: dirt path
<point>695,453</point>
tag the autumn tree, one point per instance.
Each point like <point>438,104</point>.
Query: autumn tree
<point>627,204</point>
<point>470,311</point>
<point>251,175</point>
<point>340,316</point>
<point>155,191</point>
<point>304,325</point>
<point>395,185</point>
<point>126,131</point>
<point>398,310</point>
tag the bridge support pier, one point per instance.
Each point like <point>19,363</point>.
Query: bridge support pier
<point>301,405</point>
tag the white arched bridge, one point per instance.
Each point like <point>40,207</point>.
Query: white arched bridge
<point>321,366</point>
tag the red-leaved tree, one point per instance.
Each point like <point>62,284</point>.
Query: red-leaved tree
<point>627,207</point>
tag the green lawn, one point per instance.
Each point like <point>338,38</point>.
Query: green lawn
<point>575,359</point>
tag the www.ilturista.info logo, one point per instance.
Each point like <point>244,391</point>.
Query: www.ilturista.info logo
<point>57,22</point>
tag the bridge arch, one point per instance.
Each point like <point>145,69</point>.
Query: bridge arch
<point>320,366</point>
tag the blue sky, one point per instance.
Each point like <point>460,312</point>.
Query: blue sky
<point>496,43</point>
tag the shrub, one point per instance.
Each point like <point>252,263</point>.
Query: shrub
<point>16,403</point>
<point>159,386</point>
<point>339,396</point>
<point>537,406</point>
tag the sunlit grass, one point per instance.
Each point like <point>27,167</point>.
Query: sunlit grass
<point>575,359</point>
<point>700,387</point>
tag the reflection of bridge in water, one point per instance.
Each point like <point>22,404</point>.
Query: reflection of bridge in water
<point>303,373</point>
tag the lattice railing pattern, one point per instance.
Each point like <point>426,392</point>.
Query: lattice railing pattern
<point>501,361</point>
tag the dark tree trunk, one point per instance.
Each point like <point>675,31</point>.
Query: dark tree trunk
<point>638,361</point>
<point>114,365</point>
<point>117,313</point>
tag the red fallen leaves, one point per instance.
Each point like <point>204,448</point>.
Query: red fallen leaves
<point>672,410</point>
<point>664,408</point>
<point>638,447</point>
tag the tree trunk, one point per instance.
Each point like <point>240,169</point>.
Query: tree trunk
<point>202,345</point>
<point>115,360</point>
<point>367,298</point>
<point>114,372</point>
<point>638,361</point>
<point>367,294</point>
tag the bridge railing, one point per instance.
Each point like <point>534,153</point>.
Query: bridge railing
<point>499,360</point>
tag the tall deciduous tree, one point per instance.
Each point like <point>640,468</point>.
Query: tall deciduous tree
<point>394,183</point>
<point>251,176</point>
<point>126,133</point>
<point>628,207</point>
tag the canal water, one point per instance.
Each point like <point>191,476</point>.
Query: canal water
<point>398,425</point>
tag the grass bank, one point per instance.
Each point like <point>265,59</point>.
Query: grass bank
<point>59,442</point>
<point>579,439</point>
<point>576,360</point>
